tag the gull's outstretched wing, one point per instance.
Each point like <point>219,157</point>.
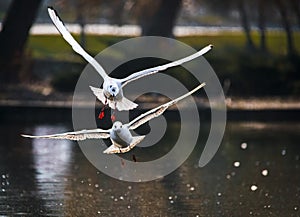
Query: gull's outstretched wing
<point>77,135</point>
<point>76,47</point>
<point>156,69</point>
<point>153,113</point>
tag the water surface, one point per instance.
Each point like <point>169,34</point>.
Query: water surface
<point>254,173</point>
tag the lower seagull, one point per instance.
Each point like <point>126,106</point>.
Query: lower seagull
<point>120,136</point>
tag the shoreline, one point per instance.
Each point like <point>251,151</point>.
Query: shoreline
<point>232,104</point>
<point>253,109</point>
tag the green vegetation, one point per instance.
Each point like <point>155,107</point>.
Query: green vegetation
<point>249,72</point>
<point>276,41</point>
<point>54,47</point>
<point>253,72</point>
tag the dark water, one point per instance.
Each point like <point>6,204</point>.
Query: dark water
<point>53,178</point>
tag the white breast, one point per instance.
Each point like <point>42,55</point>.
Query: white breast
<point>121,136</point>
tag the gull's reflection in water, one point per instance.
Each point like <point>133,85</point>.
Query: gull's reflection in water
<point>52,164</point>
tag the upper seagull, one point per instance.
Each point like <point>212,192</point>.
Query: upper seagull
<point>112,92</point>
<point>119,134</point>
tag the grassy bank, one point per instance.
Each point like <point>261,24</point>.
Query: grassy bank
<point>249,72</point>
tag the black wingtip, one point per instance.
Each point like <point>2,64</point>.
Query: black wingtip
<point>56,14</point>
<point>52,9</point>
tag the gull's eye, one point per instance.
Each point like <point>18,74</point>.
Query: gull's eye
<point>110,86</point>
<point>121,126</point>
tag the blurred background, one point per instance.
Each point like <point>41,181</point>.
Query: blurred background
<point>256,42</point>
<point>256,57</point>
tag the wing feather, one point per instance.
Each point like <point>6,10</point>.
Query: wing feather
<point>77,135</point>
<point>153,113</point>
<point>156,69</point>
<point>76,47</point>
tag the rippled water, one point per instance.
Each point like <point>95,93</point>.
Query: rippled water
<point>254,173</point>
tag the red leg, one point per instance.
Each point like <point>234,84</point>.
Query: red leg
<point>113,116</point>
<point>101,115</point>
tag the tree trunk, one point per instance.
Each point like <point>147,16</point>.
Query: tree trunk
<point>16,26</point>
<point>245,23</point>
<point>286,25</point>
<point>163,20</point>
<point>117,17</point>
<point>14,34</point>
<point>295,5</point>
<point>81,21</point>
<point>262,24</point>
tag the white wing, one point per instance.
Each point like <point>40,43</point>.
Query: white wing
<point>76,47</point>
<point>156,69</point>
<point>77,135</point>
<point>143,118</point>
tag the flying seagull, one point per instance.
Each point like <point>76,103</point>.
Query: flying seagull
<point>120,136</point>
<point>112,92</point>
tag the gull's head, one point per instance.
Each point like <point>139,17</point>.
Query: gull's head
<point>117,126</point>
<point>113,89</point>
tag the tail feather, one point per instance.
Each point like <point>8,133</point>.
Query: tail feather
<point>98,92</point>
<point>125,104</point>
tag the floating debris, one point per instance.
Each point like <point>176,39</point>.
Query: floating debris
<point>219,194</point>
<point>253,187</point>
<point>265,172</point>
<point>283,152</point>
<point>236,164</point>
<point>244,145</point>
<point>192,188</point>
